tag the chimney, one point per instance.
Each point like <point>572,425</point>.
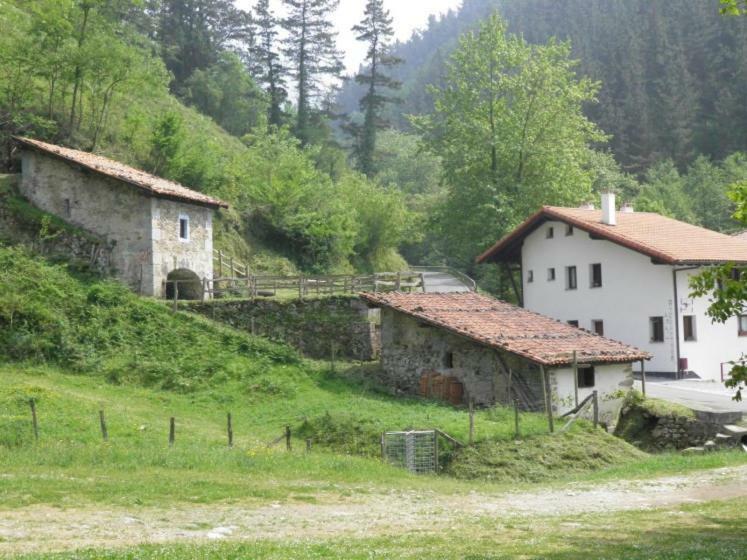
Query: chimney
<point>587,206</point>
<point>627,208</point>
<point>608,209</point>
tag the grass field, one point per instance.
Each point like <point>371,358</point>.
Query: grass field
<point>76,346</point>
<point>713,531</point>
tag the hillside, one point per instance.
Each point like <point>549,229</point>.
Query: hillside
<point>672,73</point>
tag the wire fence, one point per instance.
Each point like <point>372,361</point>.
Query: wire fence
<point>416,450</point>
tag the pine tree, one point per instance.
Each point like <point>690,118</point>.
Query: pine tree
<point>269,69</point>
<point>310,45</point>
<point>375,29</point>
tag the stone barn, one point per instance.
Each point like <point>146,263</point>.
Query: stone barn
<point>158,230</point>
<point>463,346</point>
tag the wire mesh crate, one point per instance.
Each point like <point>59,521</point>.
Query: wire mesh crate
<point>416,450</point>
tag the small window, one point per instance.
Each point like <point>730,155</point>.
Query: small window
<point>67,207</point>
<point>586,377</point>
<point>550,233</point>
<point>530,276</point>
<point>551,275</point>
<point>184,228</point>
<point>688,330</point>
<point>742,325</point>
<point>596,275</point>
<point>573,323</point>
<point>568,230</point>
<point>570,278</point>
<point>597,325</point>
<point>656,327</point>
<point>449,360</point>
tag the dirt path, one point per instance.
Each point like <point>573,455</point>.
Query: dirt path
<point>41,528</point>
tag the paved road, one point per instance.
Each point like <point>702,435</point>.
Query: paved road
<point>694,394</point>
<point>442,282</point>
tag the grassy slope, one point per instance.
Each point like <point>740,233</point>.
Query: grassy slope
<point>88,345</point>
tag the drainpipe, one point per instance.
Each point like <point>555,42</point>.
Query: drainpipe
<point>677,314</point>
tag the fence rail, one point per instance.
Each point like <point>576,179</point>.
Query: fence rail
<point>254,286</point>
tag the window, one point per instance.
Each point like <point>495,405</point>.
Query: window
<point>449,360</point>
<point>530,276</point>
<point>570,278</point>
<point>688,324</point>
<point>597,325</point>
<point>550,233</point>
<point>596,275</point>
<point>184,228</point>
<point>573,323</point>
<point>742,319</point>
<point>568,230</point>
<point>67,207</point>
<point>551,275</point>
<point>585,377</point>
<point>656,328</point>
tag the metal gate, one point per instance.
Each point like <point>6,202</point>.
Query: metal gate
<point>416,450</point>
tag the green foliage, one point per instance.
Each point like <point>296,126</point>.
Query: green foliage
<point>509,129</point>
<point>101,328</point>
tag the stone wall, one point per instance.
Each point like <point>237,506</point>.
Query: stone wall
<point>110,209</point>
<point>658,426</point>
<point>172,253</point>
<point>310,325</point>
<point>21,223</point>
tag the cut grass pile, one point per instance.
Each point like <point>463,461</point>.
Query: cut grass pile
<point>713,531</point>
<point>543,457</point>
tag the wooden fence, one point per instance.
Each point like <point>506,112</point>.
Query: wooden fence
<point>254,286</point>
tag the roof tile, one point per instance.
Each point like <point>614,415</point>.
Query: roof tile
<point>116,170</point>
<point>504,326</point>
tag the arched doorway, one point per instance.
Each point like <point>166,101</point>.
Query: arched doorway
<point>189,284</point>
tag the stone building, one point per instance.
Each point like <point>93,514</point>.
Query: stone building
<point>463,346</point>
<point>158,230</point>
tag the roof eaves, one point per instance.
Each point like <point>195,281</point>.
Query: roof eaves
<point>209,202</point>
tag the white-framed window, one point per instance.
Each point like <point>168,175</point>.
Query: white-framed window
<point>551,275</point>
<point>530,276</point>
<point>597,326</point>
<point>571,282</point>
<point>742,320</point>
<point>568,230</point>
<point>586,377</point>
<point>183,227</point>
<point>595,275</point>
<point>688,328</point>
<point>656,329</point>
<point>550,233</point>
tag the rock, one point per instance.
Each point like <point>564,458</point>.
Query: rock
<point>724,440</point>
<point>693,451</point>
<point>733,430</point>
<point>710,445</point>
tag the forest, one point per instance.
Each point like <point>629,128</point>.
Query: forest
<point>437,147</point>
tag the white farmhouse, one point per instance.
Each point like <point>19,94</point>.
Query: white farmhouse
<point>625,275</point>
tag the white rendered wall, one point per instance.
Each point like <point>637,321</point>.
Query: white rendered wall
<point>611,381</point>
<point>633,290</point>
<point>714,342</point>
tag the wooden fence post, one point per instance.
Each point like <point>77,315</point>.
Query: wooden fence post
<point>34,420</point>
<point>172,431</point>
<point>229,427</point>
<point>516,418</point>
<point>383,446</point>
<point>176,294</point>
<point>596,409</point>
<point>548,402</point>
<point>204,289</point>
<point>288,438</point>
<point>510,381</point>
<point>575,378</point>
<point>308,445</point>
<point>334,356</point>
<point>102,421</point>
<point>471,421</point>
<point>643,377</point>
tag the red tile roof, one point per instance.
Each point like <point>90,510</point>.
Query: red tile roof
<point>156,186</point>
<point>666,240</point>
<point>500,325</point>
